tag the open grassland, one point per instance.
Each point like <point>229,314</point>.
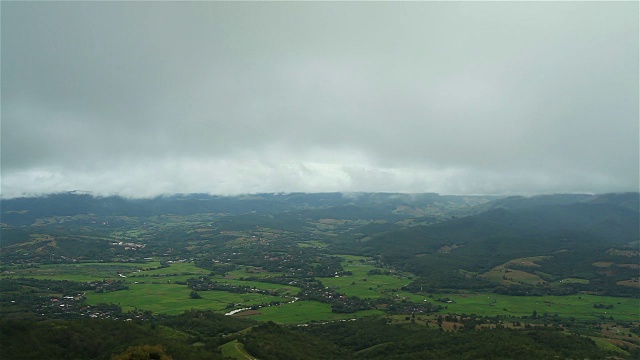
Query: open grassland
<point>301,312</point>
<point>577,306</point>
<point>174,299</point>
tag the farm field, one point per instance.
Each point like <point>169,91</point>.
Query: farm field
<point>577,306</point>
<point>153,288</point>
<point>243,272</point>
<point>283,289</point>
<point>301,312</point>
<point>174,268</point>
<point>360,283</point>
<point>173,299</point>
<point>82,272</point>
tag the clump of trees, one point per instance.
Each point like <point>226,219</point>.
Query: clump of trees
<point>143,352</point>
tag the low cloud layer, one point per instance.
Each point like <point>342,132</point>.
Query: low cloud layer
<point>142,99</point>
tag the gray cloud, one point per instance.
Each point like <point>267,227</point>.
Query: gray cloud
<point>143,98</point>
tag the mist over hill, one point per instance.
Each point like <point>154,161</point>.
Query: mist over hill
<point>26,210</point>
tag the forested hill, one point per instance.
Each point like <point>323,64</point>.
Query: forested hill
<point>567,238</point>
<point>594,221</point>
<point>608,219</point>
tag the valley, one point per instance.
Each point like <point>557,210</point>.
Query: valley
<point>305,262</point>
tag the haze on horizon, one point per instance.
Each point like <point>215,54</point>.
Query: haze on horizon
<point>147,98</point>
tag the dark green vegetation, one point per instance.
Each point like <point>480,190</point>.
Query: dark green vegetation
<point>197,335</point>
<point>182,337</point>
<point>325,275</point>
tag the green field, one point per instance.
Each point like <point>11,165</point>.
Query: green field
<point>174,299</point>
<point>578,306</point>
<point>283,289</point>
<point>301,312</point>
<point>153,288</point>
<point>371,286</point>
<point>243,272</point>
<point>361,284</point>
<point>175,268</point>
<point>82,272</point>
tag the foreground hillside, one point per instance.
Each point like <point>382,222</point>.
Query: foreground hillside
<point>204,335</point>
<point>548,276</point>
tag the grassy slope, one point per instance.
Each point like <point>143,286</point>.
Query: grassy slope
<point>235,350</point>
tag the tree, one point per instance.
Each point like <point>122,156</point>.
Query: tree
<point>194,295</point>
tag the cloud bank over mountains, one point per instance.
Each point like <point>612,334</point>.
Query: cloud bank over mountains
<point>142,99</point>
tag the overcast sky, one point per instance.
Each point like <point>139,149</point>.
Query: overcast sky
<point>141,99</point>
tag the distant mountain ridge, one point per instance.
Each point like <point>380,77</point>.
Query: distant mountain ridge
<point>611,218</point>
<point>26,210</point>
<point>22,211</point>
